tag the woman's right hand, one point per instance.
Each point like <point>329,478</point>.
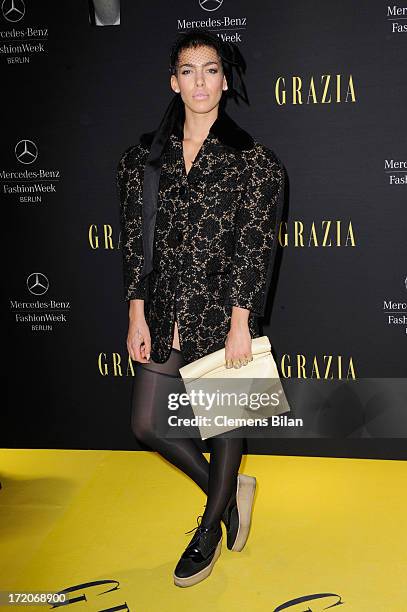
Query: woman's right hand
<point>138,337</point>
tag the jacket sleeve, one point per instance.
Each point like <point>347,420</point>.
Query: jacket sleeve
<point>256,227</point>
<point>129,189</point>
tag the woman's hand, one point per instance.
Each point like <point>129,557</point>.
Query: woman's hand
<point>238,345</point>
<point>138,337</point>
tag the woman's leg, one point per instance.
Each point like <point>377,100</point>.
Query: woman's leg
<point>152,384</point>
<point>226,455</point>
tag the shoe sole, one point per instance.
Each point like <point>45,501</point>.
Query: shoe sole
<point>246,487</point>
<point>202,574</point>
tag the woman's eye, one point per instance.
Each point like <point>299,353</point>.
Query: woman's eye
<point>211,70</point>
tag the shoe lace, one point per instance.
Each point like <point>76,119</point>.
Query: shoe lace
<point>225,516</point>
<point>199,524</point>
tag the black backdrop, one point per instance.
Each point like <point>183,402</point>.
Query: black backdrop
<point>76,95</point>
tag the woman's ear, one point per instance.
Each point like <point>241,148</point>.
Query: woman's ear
<point>174,84</point>
<point>225,84</point>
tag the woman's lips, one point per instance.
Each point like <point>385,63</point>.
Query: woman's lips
<point>201,96</point>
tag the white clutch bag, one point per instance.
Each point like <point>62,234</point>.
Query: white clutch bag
<point>223,399</point>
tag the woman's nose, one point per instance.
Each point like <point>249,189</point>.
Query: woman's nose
<point>199,78</point>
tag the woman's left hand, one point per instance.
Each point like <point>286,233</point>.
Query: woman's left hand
<point>238,346</point>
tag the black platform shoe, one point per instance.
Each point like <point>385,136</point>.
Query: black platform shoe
<point>200,556</point>
<point>238,513</point>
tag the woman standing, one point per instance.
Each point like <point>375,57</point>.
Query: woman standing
<point>199,213</point>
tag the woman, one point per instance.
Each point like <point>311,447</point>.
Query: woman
<point>199,211</point>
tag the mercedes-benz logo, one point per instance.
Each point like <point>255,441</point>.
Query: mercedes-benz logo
<point>26,151</point>
<point>13,10</point>
<point>210,5</point>
<point>37,283</point>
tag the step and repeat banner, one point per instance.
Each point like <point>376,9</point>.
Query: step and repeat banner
<point>327,85</point>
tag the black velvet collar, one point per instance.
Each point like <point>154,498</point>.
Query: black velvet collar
<point>224,128</point>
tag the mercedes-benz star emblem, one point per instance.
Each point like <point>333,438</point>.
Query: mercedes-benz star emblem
<point>26,151</point>
<point>210,5</point>
<point>13,10</point>
<point>37,283</point>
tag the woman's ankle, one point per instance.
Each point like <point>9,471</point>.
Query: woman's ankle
<point>213,524</point>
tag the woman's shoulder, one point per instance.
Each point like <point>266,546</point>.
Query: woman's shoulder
<point>262,157</point>
<point>135,155</point>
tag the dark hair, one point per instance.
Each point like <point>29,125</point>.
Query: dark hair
<point>228,53</point>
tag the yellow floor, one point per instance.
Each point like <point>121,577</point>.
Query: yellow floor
<point>321,525</point>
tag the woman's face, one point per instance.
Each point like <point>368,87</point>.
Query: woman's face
<point>199,79</point>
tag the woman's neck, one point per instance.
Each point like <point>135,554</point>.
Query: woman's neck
<point>197,125</point>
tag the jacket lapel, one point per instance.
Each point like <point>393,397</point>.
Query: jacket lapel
<point>218,151</point>
<point>211,159</point>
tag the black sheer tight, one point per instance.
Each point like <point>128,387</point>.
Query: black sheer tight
<point>149,421</point>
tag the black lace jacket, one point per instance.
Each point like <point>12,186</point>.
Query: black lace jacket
<point>215,237</point>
